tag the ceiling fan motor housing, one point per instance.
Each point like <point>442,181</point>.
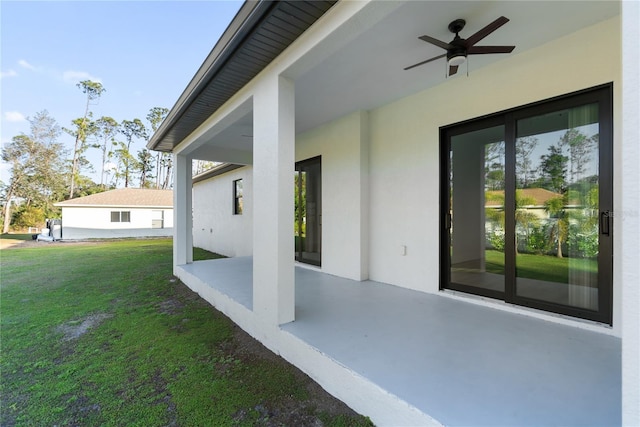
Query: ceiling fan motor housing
<point>457,25</point>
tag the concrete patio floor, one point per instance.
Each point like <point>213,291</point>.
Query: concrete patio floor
<point>460,363</point>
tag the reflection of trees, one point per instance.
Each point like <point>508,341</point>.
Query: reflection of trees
<point>579,147</point>
<point>525,219</point>
<point>560,230</point>
<point>524,149</point>
<point>553,168</point>
<point>494,166</point>
<point>300,202</point>
<point>568,167</point>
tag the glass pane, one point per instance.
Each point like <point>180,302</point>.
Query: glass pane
<point>557,207</point>
<point>308,198</point>
<point>477,208</point>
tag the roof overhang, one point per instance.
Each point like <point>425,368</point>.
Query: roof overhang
<point>259,32</point>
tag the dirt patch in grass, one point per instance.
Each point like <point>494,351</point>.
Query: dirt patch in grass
<point>76,328</point>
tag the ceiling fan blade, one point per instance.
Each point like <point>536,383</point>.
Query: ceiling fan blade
<point>453,69</point>
<point>486,31</point>
<point>424,62</point>
<point>436,42</point>
<point>478,50</point>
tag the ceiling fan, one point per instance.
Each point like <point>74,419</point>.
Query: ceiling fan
<point>458,48</point>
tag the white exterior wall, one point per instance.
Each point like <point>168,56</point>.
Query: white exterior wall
<point>629,219</point>
<point>404,152</point>
<point>95,222</point>
<point>343,146</point>
<point>215,227</point>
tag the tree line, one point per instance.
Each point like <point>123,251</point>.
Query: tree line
<point>43,171</point>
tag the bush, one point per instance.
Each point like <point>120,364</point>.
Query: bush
<point>583,242</point>
<point>28,216</point>
<point>495,239</point>
<point>539,242</point>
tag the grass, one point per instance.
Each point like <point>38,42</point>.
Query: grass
<point>541,267</point>
<point>101,333</point>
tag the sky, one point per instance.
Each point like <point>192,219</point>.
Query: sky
<point>143,52</point>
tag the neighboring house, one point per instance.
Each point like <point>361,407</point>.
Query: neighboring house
<point>125,212</point>
<point>536,199</point>
<point>372,177</point>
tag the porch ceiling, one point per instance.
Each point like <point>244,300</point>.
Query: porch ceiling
<point>364,69</point>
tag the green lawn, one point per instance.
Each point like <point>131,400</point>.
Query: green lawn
<point>101,333</point>
<point>541,267</point>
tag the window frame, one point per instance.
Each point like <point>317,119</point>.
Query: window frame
<point>121,215</point>
<point>238,197</point>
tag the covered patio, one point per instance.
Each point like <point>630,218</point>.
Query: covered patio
<point>459,362</point>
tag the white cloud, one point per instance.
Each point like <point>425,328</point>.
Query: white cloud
<point>25,64</point>
<point>72,76</point>
<point>8,73</point>
<point>14,116</point>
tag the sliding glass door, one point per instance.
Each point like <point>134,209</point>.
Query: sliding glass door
<point>308,211</point>
<point>527,200</point>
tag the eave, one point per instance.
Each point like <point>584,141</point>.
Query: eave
<point>260,31</point>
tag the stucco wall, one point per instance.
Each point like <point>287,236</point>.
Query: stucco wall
<point>215,227</point>
<point>95,222</point>
<point>343,146</point>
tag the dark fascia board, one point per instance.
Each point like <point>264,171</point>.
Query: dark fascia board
<point>249,14</point>
<point>218,170</point>
<point>254,18</point>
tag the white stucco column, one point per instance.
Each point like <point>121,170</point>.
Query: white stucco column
<point>182,211</point>
<point>273,169</point>
<point>629,219</point>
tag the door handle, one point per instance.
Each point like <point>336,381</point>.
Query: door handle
<point>604,222</point>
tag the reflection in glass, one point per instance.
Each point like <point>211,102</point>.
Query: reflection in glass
<point>477,208</point>
<point>308,211</point>
<point>557,207</point>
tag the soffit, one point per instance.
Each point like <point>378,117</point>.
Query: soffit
<point>257,35</point>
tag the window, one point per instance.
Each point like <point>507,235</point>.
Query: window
<point>237,197</point>
<point>120,216</point>
<point>526,200</point>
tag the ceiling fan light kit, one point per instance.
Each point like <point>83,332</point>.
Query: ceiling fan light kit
<point>456,61</point>
<point>458,49</point>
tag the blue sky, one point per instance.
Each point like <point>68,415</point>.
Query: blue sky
<point>143,52</point>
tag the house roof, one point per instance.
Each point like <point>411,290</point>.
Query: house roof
<point>495,198</point>
<point>259,32</point>
<point>124,197</point>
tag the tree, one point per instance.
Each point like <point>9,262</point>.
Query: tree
<point>163,160</point>
<point>93,91</point>
<point>130,129</point>
<point>560,230</point>
<point>494,166</point>
<point>580,149</point>
<point>37,167</point>
<point>106,131</point>
<point>554,169</point>
<point>524,149</point>
<point>145,167</point>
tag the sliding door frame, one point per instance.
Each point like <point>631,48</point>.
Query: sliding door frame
<point>603,96</point>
